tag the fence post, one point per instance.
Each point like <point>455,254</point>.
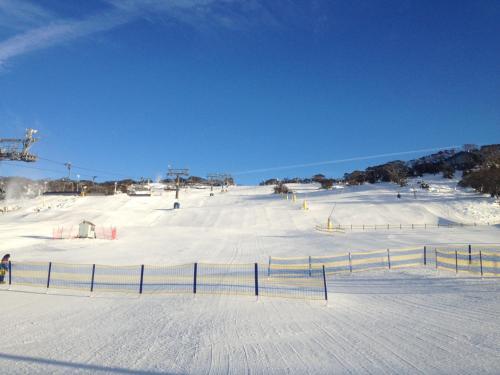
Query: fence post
<point>257,279</point>
<point>269,268</point>
<point>48,276</point>
<point>10,273</point>
<point>388,259</point>
<point>425,255</point>
<point>481,262</point>
<point>470,254</point>
<point>92,279</point>
<point>195,275</point>
<point>142,278</point>
<point>456,261</point>
<point>324,283</point>
<point>350,262</point>
<point>309,266</point>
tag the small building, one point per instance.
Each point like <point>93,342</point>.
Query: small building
<point>140,190</point>
<point>86,229</point>
<point>157,188</point>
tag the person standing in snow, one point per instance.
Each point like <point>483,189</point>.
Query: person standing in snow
<point>4,267</point>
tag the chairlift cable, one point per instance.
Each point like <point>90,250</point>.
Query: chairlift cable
<point>85,168</point>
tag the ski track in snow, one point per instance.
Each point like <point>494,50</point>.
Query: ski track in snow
<point>448,331</point>
<point>415,321</point>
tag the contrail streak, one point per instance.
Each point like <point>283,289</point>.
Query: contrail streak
<point>337,161</point>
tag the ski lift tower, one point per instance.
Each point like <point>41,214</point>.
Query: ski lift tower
<point>225,181</point>
<point>177,173</point>
<point>212,178</point>
<point>68,165</point>
<point>18,149</point>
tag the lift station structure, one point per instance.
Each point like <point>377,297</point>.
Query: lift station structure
<point>177,173</point>
<point>18,149</point>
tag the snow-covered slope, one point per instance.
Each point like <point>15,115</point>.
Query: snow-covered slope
<point>375,323</point>
<point>413,321</point>
<point>246,224</point>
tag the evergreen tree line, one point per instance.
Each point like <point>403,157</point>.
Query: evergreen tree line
<point>480,169</point>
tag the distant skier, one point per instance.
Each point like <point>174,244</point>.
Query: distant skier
<point>4,267</point>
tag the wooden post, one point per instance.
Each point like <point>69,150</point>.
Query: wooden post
<point>269,267</point>
<point>10,273</point>
<point>481,262</point>
<point>92,279</point>
<point>388,259</point>
<point>324,283</point>
<point>195,275</point>
<point>456,261</point>
<point>142,279</point>
<point>425,255</point>
<point>48,276</point>
<point>470,254</point>
<point>310,270</point>
<point>257,279</point>
<point>350,262</point>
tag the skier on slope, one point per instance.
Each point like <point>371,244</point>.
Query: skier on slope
<point>4,267</point>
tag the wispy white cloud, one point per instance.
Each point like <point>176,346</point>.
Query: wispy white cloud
<point>49,30</point>
<point>21,14</point>
<point>59,31</point>
<point>201,14</point>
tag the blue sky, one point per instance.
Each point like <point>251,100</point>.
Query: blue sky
<point>132,86</point>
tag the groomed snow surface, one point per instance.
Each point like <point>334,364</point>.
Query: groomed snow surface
<point>405,321</point>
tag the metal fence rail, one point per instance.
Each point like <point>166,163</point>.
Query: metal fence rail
<point>70,276</point>
<point>347,262</point>
<point>495,248</point>
<point>295,277</point>
<point>467,258</point>
<point>124,279</point>
<point>28,273</point>
<point>483,263</point>
<point>158,279</point>
<point>226,279</point>
<point>369,227</point>
<point>198,278</point>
